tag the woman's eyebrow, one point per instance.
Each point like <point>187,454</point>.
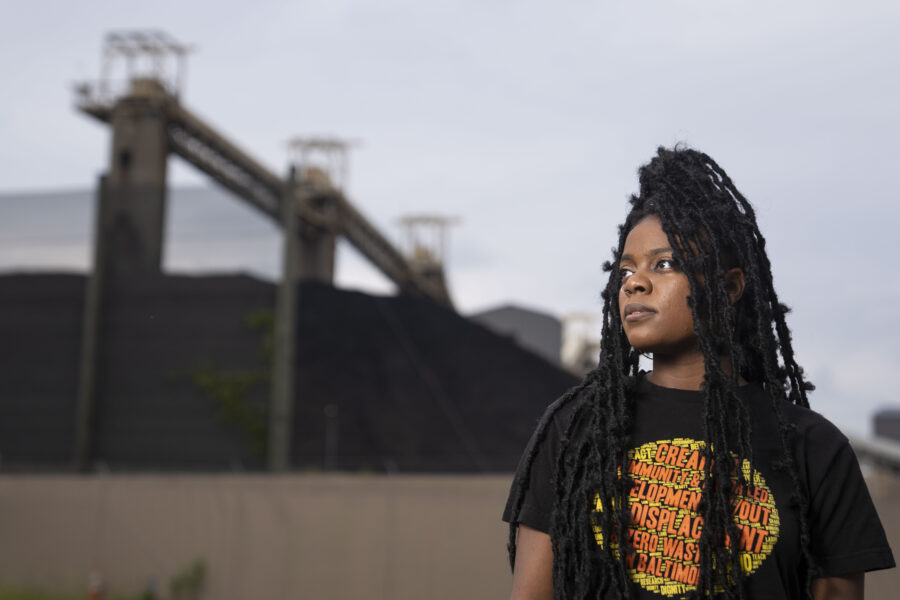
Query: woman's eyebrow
<point>653,252</point>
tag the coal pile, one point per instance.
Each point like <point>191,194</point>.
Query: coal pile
<point>383,384</point>
<point>40,337</point>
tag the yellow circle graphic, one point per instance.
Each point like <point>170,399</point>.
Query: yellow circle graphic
<point>665,525</point>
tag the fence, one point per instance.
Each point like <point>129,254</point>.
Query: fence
<point>260,536</point>
<point>294,536</point>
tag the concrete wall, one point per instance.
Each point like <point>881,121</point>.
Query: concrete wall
<point>295,536</point>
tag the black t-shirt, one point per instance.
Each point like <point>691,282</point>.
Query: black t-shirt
<point>666,465</point>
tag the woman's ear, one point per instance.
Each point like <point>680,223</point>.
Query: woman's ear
<point>734,284</point>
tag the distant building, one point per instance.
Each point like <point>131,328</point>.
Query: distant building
<point>582,355</point>
<point>887,423</point>
<point>581,342</point>
<point>533,330</point>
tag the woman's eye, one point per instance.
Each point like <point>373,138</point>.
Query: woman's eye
<point>665,264</point>
<point>625,274</point>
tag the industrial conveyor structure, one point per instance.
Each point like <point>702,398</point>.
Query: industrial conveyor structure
<point>149,122</point>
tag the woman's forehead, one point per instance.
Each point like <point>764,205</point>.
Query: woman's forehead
<point>646,232</point>
<point>647,236</point>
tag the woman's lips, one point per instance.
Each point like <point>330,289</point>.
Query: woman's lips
<point>636,312</point>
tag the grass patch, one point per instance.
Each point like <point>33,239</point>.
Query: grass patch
<point>12,593</point>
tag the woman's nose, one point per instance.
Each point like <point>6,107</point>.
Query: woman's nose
<point>637,283</point>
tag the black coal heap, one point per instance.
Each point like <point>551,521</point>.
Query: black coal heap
<point>382,383</point>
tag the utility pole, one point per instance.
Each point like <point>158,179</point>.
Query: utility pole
<point>281,407</point>
<point>92,333</point>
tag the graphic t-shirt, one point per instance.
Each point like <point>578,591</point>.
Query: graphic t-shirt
<point>666,464</point>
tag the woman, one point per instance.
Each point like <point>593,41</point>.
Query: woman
<point>709,475</point>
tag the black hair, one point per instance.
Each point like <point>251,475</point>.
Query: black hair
<point>711,228</point>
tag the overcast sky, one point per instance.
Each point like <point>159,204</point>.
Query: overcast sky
<point>525,119</point>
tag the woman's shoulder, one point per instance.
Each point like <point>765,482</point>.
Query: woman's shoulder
<point>814,432</point>
<point>812,425</point>
<point>573,398</point>
<point>559,413</point>
<point>563,415</point>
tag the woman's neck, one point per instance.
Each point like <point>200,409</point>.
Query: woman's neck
<point>683,371</point>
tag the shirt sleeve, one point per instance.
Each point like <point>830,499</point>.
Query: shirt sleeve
<point>846,533</point>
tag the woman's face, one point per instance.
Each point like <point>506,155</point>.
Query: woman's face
<point>653,297</point>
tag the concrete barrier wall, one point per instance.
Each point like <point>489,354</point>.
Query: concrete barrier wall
<point>295,536</point>
<point>299,536</point>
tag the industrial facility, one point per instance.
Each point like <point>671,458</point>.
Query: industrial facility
<point>239,437</point>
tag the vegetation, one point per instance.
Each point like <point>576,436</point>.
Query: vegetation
<point>187,584</point>
<point>230,390</point>
<point>14,593</point>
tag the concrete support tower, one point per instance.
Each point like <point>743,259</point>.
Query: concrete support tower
<point>131,197</point>
<point>137,180</point>
<point>425,247</point>
<point>321,163</point>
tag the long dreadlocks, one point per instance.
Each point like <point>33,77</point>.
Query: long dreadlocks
<point>711,228</point>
